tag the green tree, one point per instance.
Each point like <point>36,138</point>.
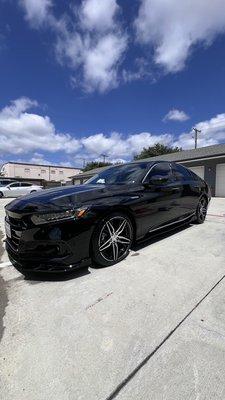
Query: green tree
<point>157,150</point>
<point>95,164</point>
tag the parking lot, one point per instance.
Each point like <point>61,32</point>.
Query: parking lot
<point>151,327</point>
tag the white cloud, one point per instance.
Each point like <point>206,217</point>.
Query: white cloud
<point>100,64</point>
<point>90,41</point>
<point>17,107</point>
<point>140,70</point>
<point>22,132</point>
<point>36,11</point>
<point>176,115</point>
<point>173,27</point>
<point>212,132</point>
<point>93,56</point>
<point>98,15</point>
<point>116,146</point>
<point>39,159</point>
<point>99,60</point>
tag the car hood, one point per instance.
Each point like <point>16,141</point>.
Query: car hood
<point>66,197</point>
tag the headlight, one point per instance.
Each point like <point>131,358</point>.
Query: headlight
<point>39,219</point>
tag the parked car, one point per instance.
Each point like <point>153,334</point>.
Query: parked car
<point>17,189</point>
<point>64,228</point>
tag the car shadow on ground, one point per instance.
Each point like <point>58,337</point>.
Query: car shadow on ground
<point>38,277</point>
<point>158,236</point>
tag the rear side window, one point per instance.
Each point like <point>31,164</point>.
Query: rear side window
<point>26,184</point>
<point>181,173</point>
<point>194,176</point>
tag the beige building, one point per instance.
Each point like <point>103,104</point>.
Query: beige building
<point>34,171</point>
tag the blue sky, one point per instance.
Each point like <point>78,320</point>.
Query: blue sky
<point>82,78</point>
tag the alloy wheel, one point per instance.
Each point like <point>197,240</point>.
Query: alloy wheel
<point>202,209</point>
<point>115,238</point>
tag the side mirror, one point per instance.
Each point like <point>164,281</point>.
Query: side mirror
<point>8,187</point>
<point>156,180</point>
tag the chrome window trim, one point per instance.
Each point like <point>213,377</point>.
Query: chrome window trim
<point>154,165</point>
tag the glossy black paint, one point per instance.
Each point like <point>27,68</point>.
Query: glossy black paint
<point>64,245</point>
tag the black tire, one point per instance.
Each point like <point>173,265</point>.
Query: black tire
<point>1,195</point>
<point>116,233</point>
<point>33,191</point>
<point>201,210</point>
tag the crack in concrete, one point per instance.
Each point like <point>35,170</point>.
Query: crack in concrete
<point>133,373</point>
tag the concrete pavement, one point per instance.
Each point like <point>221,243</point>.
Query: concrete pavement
<point>150,327</point>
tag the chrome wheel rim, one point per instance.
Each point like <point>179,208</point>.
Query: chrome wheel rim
<point>202,209</point>
<point>115,239</point>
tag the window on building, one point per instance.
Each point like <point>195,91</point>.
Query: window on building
<point>27,170</point>
<point>43,171</point>
<point>52,171</point>
<point>61,172</point>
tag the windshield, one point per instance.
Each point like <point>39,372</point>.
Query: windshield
<point>121,175</point>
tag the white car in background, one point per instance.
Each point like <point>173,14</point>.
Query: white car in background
<point>17,189</point>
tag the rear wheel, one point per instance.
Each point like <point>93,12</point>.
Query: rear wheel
<point>33,191</point>
<point>201,211</point>
<point>112,240</point>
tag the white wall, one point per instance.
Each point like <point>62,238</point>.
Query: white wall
<point>49,173</point>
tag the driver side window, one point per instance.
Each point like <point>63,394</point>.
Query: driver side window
<point>160,172</point>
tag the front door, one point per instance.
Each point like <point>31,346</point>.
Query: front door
<point>14,190</point>
<point>161,197</point>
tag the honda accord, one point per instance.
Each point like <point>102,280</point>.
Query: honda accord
<point>64,228</point>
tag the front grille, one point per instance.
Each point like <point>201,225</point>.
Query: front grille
<point>17,225</point>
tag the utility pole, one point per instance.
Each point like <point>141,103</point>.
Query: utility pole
<point>104,157</point>
<point>196,136</point>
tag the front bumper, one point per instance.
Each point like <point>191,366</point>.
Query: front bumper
<point>52,248</point>
<point>54,265</point>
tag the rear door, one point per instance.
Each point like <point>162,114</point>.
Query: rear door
<point>25,188</point>
<point>189,189</point>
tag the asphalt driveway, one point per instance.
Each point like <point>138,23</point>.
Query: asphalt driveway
<point>151,327</point>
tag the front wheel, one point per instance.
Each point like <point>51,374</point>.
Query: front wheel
<point>112,240</point>
<point>201,210</point>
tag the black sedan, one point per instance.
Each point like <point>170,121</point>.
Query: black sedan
<point>64,228</point>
